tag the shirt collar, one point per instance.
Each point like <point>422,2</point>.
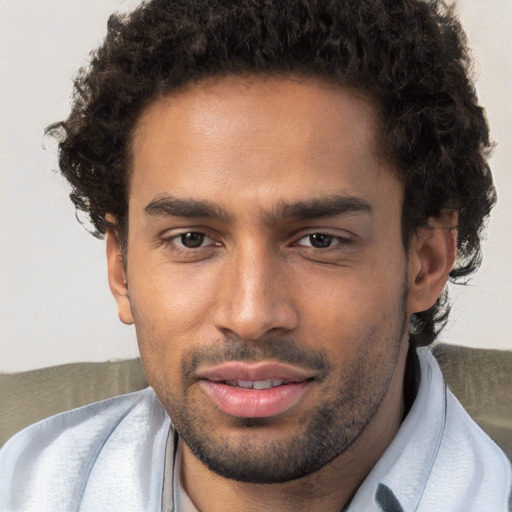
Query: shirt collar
<point>399,478</point>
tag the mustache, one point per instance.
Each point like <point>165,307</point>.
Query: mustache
<point>282,350</point>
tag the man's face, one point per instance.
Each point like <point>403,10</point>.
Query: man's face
<point>266,271</point>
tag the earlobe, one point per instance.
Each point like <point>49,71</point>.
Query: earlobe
<point>117,278</point>
<point>432,254</point>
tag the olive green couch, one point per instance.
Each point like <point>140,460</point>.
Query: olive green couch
<point>481,379</point>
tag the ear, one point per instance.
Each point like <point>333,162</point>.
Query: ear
<point>117,278</point>
<point>432,254</point>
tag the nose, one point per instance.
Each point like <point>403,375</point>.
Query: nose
<point>255,296</point>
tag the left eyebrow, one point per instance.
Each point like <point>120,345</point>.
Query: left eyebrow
<point>330,206</point>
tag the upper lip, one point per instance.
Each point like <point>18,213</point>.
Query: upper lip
<point>237,370</point>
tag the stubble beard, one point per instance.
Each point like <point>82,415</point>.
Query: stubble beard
<point>328,430</point>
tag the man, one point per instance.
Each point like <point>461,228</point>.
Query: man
<point>285,188</point>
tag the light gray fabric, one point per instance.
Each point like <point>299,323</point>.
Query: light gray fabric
<point>104,457</point>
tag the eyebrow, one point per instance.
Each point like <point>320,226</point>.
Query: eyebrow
<point>169,206</point>
<point>329,206</point>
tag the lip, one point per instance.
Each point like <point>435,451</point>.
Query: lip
<point>236,370</point>
<point>255,403</point>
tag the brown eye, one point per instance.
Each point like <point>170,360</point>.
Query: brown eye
<point>192,240</point>
<point>320,240</point>
<point>323,241</point>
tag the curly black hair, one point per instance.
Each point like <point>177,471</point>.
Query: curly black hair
<point>409,56</point>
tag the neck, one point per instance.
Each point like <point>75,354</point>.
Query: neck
<point>328,489</point>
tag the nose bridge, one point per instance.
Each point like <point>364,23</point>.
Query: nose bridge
<point>254,297</point>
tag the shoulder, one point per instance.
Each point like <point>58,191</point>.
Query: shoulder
<point>440,459</point>
<point>58,460</point>
<point>469,468</point>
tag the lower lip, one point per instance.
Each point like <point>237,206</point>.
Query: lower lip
<point>254,403</point>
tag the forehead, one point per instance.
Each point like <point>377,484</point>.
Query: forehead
<point>262,139</point>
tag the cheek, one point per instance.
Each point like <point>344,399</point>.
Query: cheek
<point>347,308</point>
<point>170,308</point>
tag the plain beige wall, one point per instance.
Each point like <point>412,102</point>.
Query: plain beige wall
<point>55,306</point>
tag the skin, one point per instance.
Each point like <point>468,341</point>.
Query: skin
<point>246,147</point>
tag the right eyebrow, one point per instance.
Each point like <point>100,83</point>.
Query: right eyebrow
<point>169,206</point>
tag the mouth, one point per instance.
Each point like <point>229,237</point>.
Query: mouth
<point>257,384</point>
<point>257,390</point>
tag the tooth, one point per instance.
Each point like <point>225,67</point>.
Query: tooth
<point>258,384</point>
<point>262,384</point>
